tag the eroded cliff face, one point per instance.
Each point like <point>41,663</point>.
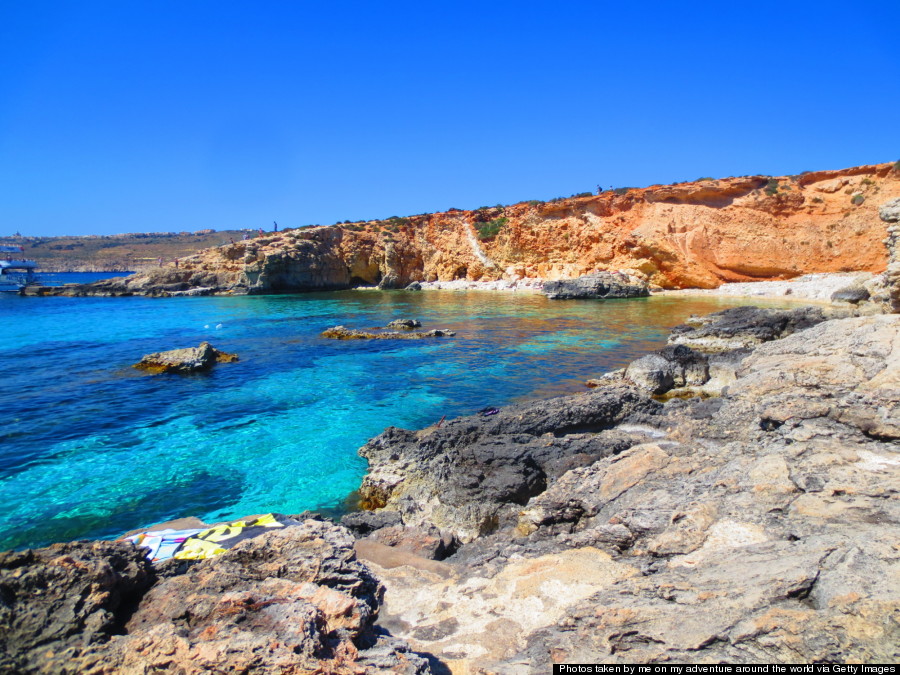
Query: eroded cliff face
<point>697,234</point>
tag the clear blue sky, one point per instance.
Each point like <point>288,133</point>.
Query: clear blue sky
<point>123,116</point>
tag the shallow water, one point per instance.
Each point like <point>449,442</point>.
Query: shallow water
<point>90,447</point>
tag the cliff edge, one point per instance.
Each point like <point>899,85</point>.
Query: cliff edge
<point>688,235</point>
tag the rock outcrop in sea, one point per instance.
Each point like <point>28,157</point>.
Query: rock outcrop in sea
<point>689,235</point>
<point>600,286</point>
<point>187,360</point>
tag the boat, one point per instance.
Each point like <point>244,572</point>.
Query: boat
<point>15,271</point>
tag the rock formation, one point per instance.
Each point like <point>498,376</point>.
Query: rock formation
<point>293,600</point>
<point>890,214</point>
<point>341,333</point>
<point>756,526</point>
<point>188,360</point>
<point>600,285</point>
<point>697,234</point>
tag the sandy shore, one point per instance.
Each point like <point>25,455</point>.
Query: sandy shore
<point>810,287</point>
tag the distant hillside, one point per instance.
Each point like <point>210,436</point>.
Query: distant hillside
<point>116,252</point>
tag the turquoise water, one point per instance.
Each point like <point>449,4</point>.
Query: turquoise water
<point>90,447</point>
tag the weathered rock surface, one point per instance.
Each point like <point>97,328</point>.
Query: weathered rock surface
<point>405,323</point>
<point>742,327</point>
<point>293,600</point>
<point>674,366</point>
<point>890,214</point>
<point>341,333</point>
<point>689,235</point>
<point>601,286</point>
<point>189,360</point>
<point>472,474</point>
<point>59,601</point>
<point>756,527</point>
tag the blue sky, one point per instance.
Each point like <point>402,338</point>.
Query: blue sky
<point>160,116</point>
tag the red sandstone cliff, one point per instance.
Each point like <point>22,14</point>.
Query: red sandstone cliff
<point>697,234</point>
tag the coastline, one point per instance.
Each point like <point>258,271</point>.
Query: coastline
<point>659,513</point>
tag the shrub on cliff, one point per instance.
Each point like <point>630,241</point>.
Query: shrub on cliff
<point>772,187</point>
<point>491,229</point>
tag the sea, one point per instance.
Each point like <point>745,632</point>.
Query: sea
<point>92,448</point>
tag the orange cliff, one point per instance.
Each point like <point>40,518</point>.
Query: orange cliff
<point>697,234</point>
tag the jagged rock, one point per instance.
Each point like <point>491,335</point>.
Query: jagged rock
<point>753,527</point>
<point>56,602</point>
<point>742,327</point>
<point>389,282</point>
<point>405,323</point>
<point>362,523</point>
<point>602,285</point>
<point>472,473</point>
<point>889,212</point>
<point>341,333</point>
<point>189,360</point>
<point>288,601</point>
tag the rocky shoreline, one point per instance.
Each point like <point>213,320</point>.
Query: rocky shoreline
<point>753,523</point>
<point>734,497</point>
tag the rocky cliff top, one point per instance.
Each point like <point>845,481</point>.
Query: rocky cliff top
<point>697,234</point>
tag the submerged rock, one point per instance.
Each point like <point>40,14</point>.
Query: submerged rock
<point>342,333</point>
<point>189,360</point>
<point>601,285</point>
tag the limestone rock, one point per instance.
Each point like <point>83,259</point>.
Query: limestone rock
<point>58,601</point>
<point>742,327</point>
<point>601,285</point>
<point>189,360</point>
<point>890,213</point>
<point>674,366</point>
<point>405,323</point>
<point>471,474</point>
<point>342,333</point>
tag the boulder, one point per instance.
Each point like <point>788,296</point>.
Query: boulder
<point>414,286</point>
<point>408,324</point>
<point>854,294</point>
<point>600,285</point>
<point>189,360</point>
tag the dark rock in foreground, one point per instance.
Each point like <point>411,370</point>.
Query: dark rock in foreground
<point>189,360</point>
<point>293,600</point>
<point>602,285</point>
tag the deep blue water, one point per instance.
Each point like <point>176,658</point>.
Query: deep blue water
<point>90,447</point>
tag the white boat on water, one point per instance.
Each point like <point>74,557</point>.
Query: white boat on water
<point>15,271</point>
